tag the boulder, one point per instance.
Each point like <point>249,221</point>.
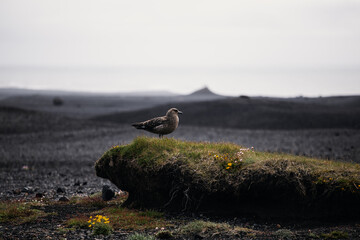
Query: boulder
<point>107,193</point>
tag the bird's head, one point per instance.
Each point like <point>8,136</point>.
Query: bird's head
<point>173,111</point>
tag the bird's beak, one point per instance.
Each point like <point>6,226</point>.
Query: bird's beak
<point>179,112</point>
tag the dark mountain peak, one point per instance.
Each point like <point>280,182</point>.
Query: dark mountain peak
<point>205,91</point>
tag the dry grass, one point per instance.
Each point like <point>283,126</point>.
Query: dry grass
<point>18,213</point>
<point>119,218</point>
<point>92,201</point>
<point>128,219</point>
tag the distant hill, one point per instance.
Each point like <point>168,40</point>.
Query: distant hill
<point>87,105</point>
<point>203,92</point>
<point>258,113</point>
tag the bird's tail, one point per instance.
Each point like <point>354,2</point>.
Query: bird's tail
<point>138,125</point>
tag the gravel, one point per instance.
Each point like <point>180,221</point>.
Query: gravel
<point>60,164</point>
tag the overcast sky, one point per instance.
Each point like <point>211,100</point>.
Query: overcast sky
<point>273,48</point>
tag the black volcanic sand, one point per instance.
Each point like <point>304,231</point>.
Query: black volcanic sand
<point>46,160</point>
<point>42,158</point>
<point>259,113</point>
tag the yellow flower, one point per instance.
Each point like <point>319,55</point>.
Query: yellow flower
<point>89,221</point>
<point>227,167</point>
<point>229,164</point>
<point>90,225</point>
<point>107,222</point>
<point>90,216</point>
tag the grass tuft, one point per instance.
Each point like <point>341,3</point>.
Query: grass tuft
<point>284,234</point>
<point>77,222</point>
<point>205,229</point>
<point>102,229</point>
<point>140,236</point>
<point>335,235</point>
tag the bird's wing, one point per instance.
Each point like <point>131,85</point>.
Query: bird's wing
<point>151,124</point>
<point>155,122</point>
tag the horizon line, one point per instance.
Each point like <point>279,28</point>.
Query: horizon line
<point>165,93</point>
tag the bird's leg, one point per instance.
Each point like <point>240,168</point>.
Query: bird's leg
<point>160,135</point>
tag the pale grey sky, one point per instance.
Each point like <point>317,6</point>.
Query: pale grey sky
<point>275,48</point>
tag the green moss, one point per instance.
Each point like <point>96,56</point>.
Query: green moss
<point>152,151</point>
<point>206,158</point>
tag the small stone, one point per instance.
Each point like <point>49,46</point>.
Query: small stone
<point>25,167</point>
<point>63,199</point>
<point>120,193</point>
<point>60,190</point>
<point>39,195</point>
<point>164,235</point>
<point>84,183</point>
<point>107,193</point>
<point>28,190</point>
<point>16,191</point>
<point>77,183</point>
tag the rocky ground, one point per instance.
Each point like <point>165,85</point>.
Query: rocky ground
<point>53,226</point>
<point>60,164</point>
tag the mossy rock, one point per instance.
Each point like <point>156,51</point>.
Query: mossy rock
<point>224,178</point>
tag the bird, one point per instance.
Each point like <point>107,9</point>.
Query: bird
<point>161,125</point>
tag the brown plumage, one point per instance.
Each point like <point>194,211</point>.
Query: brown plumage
<point>161,125</point>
